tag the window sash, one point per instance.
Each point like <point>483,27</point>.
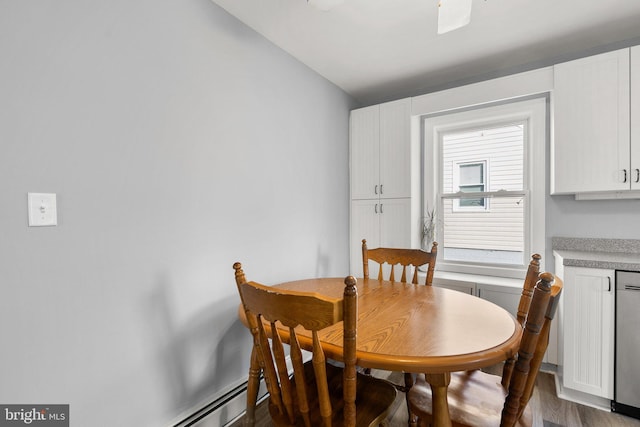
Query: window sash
<point>485,194</point>
<point>490,263</point>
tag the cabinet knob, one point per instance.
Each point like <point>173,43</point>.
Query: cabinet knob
<point>376,189</point>
<point>380,188</point>
<point>637,175</point>
<point>625,175</point>
<point>376,208</point>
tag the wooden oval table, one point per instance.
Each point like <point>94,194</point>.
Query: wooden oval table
<point>418,329</point>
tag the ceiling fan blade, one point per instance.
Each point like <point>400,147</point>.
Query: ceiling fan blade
<point>453,14</point>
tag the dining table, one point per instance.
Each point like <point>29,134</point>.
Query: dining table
<point>413,329</point>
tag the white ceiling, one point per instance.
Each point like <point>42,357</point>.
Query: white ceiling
<point>384,49</point>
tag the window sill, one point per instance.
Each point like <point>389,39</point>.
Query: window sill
<point>448,277</point>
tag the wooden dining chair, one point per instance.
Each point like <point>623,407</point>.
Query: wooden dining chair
<point>478,399</point>
<point>405,257</point>
<point>318,393</point>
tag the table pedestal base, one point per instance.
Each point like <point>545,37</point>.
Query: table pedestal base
<point>439,384</point>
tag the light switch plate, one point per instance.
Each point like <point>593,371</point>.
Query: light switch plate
<point>42,209</point>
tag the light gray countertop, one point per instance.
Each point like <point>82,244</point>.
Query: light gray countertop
<point>615,254</point>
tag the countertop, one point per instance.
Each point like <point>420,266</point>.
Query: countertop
<point>614,254</point>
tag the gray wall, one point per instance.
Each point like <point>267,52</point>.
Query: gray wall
<point>178,141</point>
<point>612,219</point>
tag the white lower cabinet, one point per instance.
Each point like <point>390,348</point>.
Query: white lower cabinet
<point>506,297</point>
<point>467,288</point>
<point>588,330</point>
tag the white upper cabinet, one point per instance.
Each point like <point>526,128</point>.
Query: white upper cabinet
<point>381,151</point>
<point>395,149</point>
<point>365,152</point>
<point>591,145</point>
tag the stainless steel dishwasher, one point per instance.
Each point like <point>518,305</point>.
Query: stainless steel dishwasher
<point>627,368</point>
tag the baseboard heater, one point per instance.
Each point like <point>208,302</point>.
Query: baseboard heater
<point>222,407</point>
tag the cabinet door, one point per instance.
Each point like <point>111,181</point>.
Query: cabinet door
<point>384,223</point>
<point>635,117</point>
<point>365,224</point>
<point>395,223</point>
<point>365,153</point>
<point>464,287</point>
<point>506,297</point>
<point>591,124</point>
<point>395,149</point>
<point>588,334</point>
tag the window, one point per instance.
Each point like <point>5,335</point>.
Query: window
<point>484,173</point>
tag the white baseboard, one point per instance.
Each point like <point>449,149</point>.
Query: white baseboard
<point>222,411</point>
<point>228,407</point>
<point>581,398</point>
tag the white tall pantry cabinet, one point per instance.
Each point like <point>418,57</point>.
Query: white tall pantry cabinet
<point>382,170</point>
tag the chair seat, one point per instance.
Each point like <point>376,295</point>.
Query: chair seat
<point>475,399</point>
<point>374,398</point>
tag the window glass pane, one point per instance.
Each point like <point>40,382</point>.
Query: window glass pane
<point>493,236</point>
<point>471,174</point>
<point>472,203</point>
<point>469,203</point>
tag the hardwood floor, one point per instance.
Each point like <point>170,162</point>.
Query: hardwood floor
<point>564,413</point>
<point>549,411</point>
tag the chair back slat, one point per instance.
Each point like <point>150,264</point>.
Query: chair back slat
<point>381,275</point>
<point>261,342</point>
<point>528,344</point>
<point>298,366</point>
<point>283,372</point>
<point>407,258</point>
<point>320,369</point>
<point>414,279</point>
<point>530,280</point>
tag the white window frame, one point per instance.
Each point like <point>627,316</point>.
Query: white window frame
<point>485,184</point>
<point>534,113</point>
